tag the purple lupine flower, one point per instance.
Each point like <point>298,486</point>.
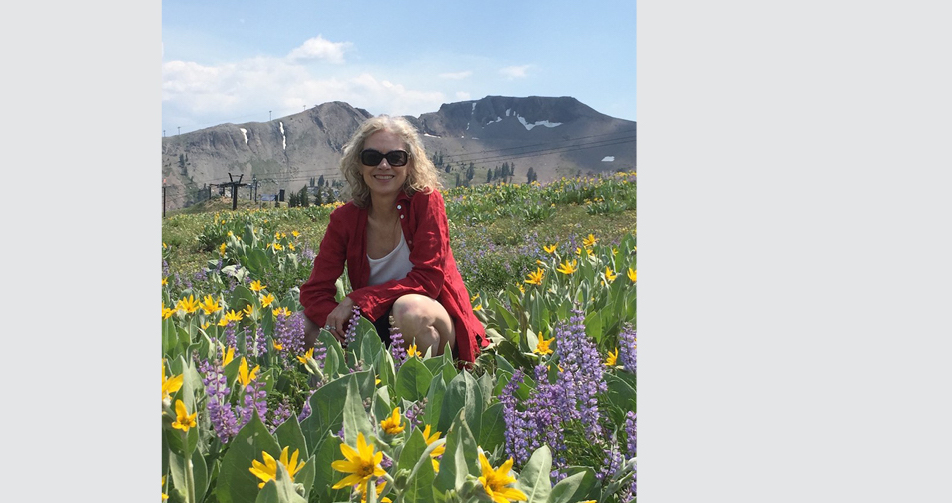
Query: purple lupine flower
<point>220,412</point>
<point>231,338</point>
<point>280,415</point>
<point>628,347</point>
<point>518,432</point>
<point>306,410</point>
<point>352,328</point>
<point>581,374</point>
<point>289,332</point>
<point>414,413</point>
<point>397,350</point>
<point>255,399</point>
<point>631,431</point>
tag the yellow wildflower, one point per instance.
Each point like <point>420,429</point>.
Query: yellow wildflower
<point>478,307</point>
<point>277,246</point>
<point>612,358</point>
<point>167,312</point>
<point>277,345</point>
<point>210,305</point>
<point>295,233</point>
<point>244,375</point>
<point>184,420</point>
<point>589,241</point>
<point>363,464</point>
<point>535,278</point>
<point>248,310</point>
<point>412,351</point>
<point>189,305</point>
<point>165,281</point>
<point>256,286</point>
<point>543,347</point>
<point>568,268</point>
<point>549,248</point>
<point>362,489</point>
<point>496,481</point>
<point>435,453</point>
<point>632,274</point>
<point>609,274</point>
<point>229,356</point>
<point>308,355</point>
<point>269,469</point>
<point>233,316</point>
<point>222,248</point>
<point>266,300</point>
<point>281,310</point>
<point>171,385</point>
<point>391,425</point>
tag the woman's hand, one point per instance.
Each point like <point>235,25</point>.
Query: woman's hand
<point>338,318</point>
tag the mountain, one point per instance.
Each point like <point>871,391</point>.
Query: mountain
<point>555,136</point>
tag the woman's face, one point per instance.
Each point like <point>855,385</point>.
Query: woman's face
<point>383,179</point>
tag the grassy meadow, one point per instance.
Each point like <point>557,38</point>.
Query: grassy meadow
<point>546,414</point>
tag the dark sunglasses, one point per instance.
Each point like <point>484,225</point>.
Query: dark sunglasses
<point>370,157</point>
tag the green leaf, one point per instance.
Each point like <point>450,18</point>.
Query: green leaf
<point>236,484</point>
<point>412,381</point>
<point>289,434</point>
<point>368,343</point>
<point>419,488</point>
<point>573,488</point>
<point>325,476</point>
<point>434,402</point>
<point>460,458</point>
<point>412,450</point>
<point>462,394</point>
<point>355,418</point>
<point>492,427</point>
<point>593,326</point>
<point>327,405</point>
<point>534,479</point>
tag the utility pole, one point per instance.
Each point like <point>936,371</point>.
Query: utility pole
<point>163,198</point>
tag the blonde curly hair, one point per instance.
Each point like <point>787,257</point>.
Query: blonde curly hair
<point>422,175</point>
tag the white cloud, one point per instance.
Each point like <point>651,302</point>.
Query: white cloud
<point>456,75</point>
<point>463,96</point>
<point>196,96</point>
<point>515,72</point>
<point>319,48</point>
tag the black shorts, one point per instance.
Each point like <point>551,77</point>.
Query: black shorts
<point>383,327</point>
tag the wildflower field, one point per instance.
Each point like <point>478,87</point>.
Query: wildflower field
<point>546,414</point>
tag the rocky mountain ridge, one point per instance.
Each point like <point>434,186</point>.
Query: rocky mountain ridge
<point>555,136</point>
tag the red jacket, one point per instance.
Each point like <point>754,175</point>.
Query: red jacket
<point>434,272</point>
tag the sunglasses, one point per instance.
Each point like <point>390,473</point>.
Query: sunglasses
<point>371,157</point>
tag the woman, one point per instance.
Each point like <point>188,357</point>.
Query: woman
<point>394,238</point>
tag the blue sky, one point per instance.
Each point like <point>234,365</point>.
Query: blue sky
<point>236,61</point>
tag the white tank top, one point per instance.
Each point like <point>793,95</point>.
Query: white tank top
<point>394,265</point>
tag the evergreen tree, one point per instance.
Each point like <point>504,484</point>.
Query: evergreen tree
<point>319,196</point>
<point>531,175</point>
<point>489,175</point>
<point>292,200</point>
<point>320,181</point>
<point>470,172</point>
<point>303,197</point>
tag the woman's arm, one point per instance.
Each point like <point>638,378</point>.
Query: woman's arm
<point>318,293</point>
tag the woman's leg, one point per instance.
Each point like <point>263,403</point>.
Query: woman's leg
<point>424,321</point>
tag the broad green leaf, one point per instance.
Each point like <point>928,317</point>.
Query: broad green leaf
<point>434,402</point>
<point>534,479</point>
<point>327,405</point>
<point>412,450</point>
<point>236,484</point>
<point>355,418</point>
<point>573,488</point>
<point>462,394</point>
<point>289,434</point>
<point>412,381</point>
<point>179,472</point>
<point>325,476</point>
<point>368,342</point>
<point>460,458</point>
<point>593,326</point>
<point>492,427</point>
<point>381,404</point>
